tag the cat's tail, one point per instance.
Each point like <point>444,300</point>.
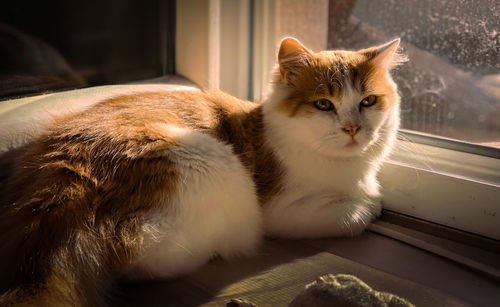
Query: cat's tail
<point>54,292</point>
<point>32,277</point>
<point>38,283</point>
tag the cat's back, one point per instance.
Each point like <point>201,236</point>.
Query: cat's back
<point>105,137</point>
<point>191,109</point>
<point>135,126</point>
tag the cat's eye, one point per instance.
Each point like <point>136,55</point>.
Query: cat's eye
<point>323,105</point>
<point>368,101</point>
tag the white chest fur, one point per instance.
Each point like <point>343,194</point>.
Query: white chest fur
<point>322,197</point>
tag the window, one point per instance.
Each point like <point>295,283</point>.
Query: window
<point>57,44</point>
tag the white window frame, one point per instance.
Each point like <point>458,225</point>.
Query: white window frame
<point>449,186</point>
<point>212,44</point>
<point>427,177</point>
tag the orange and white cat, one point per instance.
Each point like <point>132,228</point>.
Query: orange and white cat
<point>152,185</point>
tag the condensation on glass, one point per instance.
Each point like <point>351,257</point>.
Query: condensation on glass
<point>59,44</point>
<point>451,86</point>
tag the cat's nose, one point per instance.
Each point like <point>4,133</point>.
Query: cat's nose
<point>351,129</point>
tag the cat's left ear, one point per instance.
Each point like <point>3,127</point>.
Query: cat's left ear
<point>386,56</point>
<point>293,57</point>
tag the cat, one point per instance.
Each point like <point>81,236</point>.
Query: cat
<point>153,185</point>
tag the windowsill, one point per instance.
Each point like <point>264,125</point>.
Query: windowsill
<point>281,268</point>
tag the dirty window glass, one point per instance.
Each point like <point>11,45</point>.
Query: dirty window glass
<point>451,86</point>
<point>58,44</point>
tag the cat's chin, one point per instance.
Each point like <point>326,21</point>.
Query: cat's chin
<point>349,150</point>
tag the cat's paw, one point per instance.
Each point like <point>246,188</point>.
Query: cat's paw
<point>353,229</point>
<point>356,221</point>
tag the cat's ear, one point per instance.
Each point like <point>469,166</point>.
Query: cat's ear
<point>386,56</point>
<point>292,58</point>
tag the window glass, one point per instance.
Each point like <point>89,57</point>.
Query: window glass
<point>58,44</point>
<point>451,86</point>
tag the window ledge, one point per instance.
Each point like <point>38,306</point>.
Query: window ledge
<point>481,260</point>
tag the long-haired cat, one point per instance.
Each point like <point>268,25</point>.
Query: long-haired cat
<point>152,185</point>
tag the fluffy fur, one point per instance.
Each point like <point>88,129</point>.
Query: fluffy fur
<point>153,185</point>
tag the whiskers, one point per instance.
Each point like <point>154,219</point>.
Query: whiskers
<point>405,148</point>
<point>325,142</point>
<point>157,236</point>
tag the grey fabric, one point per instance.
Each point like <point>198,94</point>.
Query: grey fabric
<point>345,290</point>
<point>340,290</point>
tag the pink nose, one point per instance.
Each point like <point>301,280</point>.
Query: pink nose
<point>351,129</point>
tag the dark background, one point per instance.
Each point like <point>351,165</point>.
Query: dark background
<point>57,44</point>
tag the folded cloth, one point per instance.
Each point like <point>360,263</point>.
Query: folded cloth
<point>345,290</point>
<point>338,290</point>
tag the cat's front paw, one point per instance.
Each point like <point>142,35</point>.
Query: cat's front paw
<point>353,229</point>
<point>357,220</point>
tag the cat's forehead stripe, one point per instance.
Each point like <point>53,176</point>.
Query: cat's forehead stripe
<point>329,75</point>
<point>331,90</point>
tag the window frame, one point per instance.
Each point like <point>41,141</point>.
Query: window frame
<point>444,185</point>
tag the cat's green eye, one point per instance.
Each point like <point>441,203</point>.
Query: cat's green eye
<point>368,101</point>
<point>323,105</point>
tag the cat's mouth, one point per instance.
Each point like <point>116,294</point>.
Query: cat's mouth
<point>352,143</point>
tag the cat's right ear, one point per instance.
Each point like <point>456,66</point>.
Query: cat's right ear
<point>292,58</point>
<point>386,56</point>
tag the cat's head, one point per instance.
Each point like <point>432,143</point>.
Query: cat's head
<point>338,103</point>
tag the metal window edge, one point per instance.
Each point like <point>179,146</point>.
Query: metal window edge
<point>448,161</point>
<point>447,143</point>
